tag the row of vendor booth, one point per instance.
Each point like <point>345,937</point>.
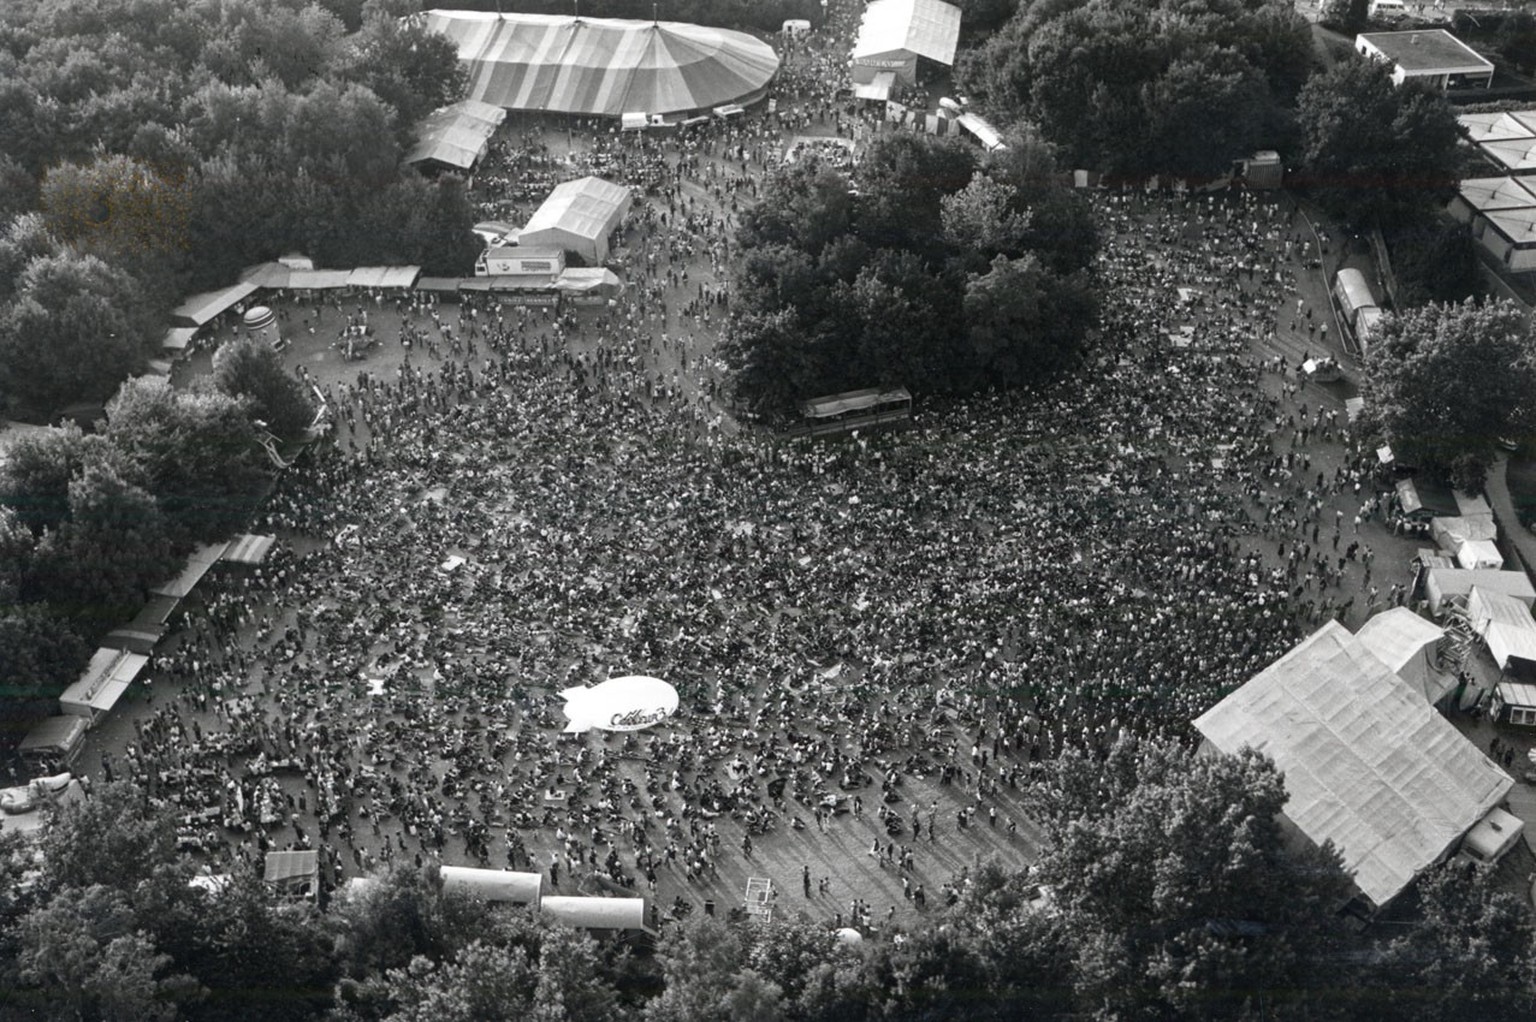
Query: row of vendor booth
<point>616,916</point>
<point>55,742</point>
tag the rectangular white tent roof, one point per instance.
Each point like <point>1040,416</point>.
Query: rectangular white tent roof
<point>588,207</point>
<point>198,563</point>
<point>106,678</point>
<point>456,134</point>
<point>1368,763</point>
<point>1504,623</point>
<point>985,134</point>
<point>1459,582</point>
<point>878,89</point>
<point>494,884</point>
<point>201,308</point>
<point>927,28</point>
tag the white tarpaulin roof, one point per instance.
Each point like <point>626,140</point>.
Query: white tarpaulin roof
<point>1504,623</point>
<point>1449,533</point>
<point>597,913</point>
<point>604,66</point>
<point>588,278</point>
<point>200,308</point>
<point>318,280</point>
<point>271,275</point>
<point>927,28</point>
<point>1459,582</point>
<point>106,678</point>
<point>456,134</point>
<point>985,134</point>
<point>1499,126</point>
<point>1368,763</point>
<point>494,884</point>
<point>578,216</point>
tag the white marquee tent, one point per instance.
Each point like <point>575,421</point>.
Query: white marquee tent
<point>1406,643</point>
<point>456,135</point>
<point>106,678</point>
<point>894,33</point>
<point>604,66</point>
<point>578,217</point>
<point>1368,763</point>
<point>618,914</point>
<point>1505,624</point>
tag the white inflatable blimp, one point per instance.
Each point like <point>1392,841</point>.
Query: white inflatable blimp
<point>619,704</point>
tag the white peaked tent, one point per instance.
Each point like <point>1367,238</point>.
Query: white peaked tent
<point>456,135</point>
<point>1505,624</point>
<point>604,66</point>
<point>578,217</point>
<point>1406,643</point>
<point>1368,763</point>
<point>894,33</point>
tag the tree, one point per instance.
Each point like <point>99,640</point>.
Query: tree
<point>116,208</point>
<point>1025,324</point>
<point>1373,151</point>
<point>34,480</point>
<point>196,450</point>
<point>112,839</point>
<point>901,179</point>
<point>73,332</point>
<point>1517,40</point>
<point>1346,16</point>
<point>1473,955</point>
<point>983,216</point>
<point>1444,382</point>
<point>248,368</point>
<point>41,652</point>
<point>98,566</point>
<point>406,65</point>
<point>700,962</point>
<point>258,961</point>
<point>1177,892</point>
<point>405,915</point>
<point>83,957</point>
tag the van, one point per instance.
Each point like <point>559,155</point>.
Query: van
<point>1388,9</point>
<point>1491,838</point>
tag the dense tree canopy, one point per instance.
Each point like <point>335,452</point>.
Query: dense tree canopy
<point>929,268</point>
<point>1173,872</point>
<point>1444,382</point>
<point>1179,87</point>
<point>249,368</point>
<point>1371,150</point>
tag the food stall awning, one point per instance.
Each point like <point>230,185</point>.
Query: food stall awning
<point>383,276</point>
<point>177,338</point>
<point>106,678</point>
<point>201,308</point>
<point>267,275</point>
<point>318,280</point>
<point>248,549</point>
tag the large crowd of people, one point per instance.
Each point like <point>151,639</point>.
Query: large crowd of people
<point>937,606</point>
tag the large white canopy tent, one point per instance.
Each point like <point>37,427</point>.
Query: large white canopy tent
<point>578,217</point>
<point>604,66</point>
<point>894,33</point>
<point>1368,763</point>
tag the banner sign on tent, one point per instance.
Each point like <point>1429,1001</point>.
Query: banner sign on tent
<point>526,298</point>
<point>619,704</point>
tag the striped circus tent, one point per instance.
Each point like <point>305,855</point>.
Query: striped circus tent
<point>604,66</point>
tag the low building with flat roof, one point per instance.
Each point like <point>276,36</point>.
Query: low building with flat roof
<point>1428,55</point>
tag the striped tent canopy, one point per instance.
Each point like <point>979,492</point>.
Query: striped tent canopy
<point>604,66</point>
